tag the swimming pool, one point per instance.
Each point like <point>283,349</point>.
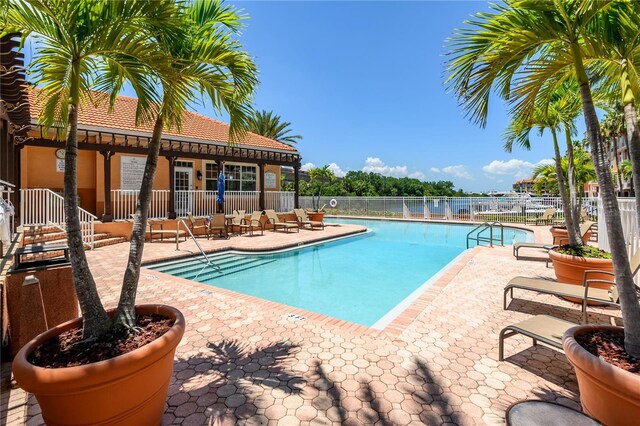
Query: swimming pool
<point>359,279</point>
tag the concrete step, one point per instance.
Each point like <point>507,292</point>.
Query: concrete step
<point>103,242</point>
<point>40,229</point>
<point>53,235</point>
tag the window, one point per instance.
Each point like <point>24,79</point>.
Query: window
<point>240,178</point>
<point>210,176</point>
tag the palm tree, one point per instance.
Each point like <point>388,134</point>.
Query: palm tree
<point>168,53</point>
<point>546,179</point>
<point>613,56</point>
<point>319,177</point>
<point>524,50</point>
<point>612,127</point>
<point>560,112</point>
<point>76,43</point>
<point>267,124</point>
<point>205,59</point>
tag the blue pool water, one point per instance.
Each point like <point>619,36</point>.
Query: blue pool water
<point>358,279</point>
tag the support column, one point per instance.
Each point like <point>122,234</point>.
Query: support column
<point>17,181</point>
<point>171,214</point>
<point>107,216</point>
<point>261,202</point>
<point>296,186</point>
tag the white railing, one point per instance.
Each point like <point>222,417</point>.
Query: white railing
<point>6,190</point>
<point>43,207</point>
<point>628,216</point>
<point>198,202</point>
<point>474,209</point>
<point>124,204</point>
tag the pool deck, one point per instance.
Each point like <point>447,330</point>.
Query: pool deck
<point>245,360</point>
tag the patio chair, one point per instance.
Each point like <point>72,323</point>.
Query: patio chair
<point>253,223</point>
<point>236,220</point>
<point>586,293</point>
<point>303,220</point>
<point>543,328</point>
<point>584,228</point>
<point>193,224</point>
<point>218,224</point>
<point>161,232</point>
<point>273,219</point>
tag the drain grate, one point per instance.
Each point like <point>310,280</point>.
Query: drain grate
<point>295,317</point>
<point>206,292</point>
<point>150,277</point>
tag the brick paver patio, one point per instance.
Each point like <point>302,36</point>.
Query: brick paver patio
<point>245,361</point>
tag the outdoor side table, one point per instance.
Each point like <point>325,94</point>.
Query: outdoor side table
<point>543,413</point>
<point>19,264</point>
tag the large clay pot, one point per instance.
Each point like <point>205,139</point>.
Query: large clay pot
<point>607,393</point>
<point>130,389</point>
<point>570,269</point>
<point>561,236</point>
<point>316,216</point>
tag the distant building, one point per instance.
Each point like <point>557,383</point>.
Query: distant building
<point>592,189</point>
<point>525,186</point>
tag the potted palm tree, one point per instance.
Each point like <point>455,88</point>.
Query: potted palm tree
<point>167,51</point>
<point>320,177</point>
<point>525,50</point>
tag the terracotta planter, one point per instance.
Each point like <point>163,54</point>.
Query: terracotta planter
<point>561,236</point>
<point>570,269</point>
<point>316,216</point>
<point>607,393</point>
<point>130,389</point>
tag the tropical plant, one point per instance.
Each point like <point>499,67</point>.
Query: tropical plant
<point>320,177</point>
<point>271,126</point>
<point>558,114</point>
<point>75,44</point>
<point>625,169</point>
<point>546,174</point>
<point>612,128</point>
<point>166,52</point>
<point>205,60</point>
<point>524,50</point>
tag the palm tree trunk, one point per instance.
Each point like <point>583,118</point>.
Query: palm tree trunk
<point>616,163</point>
<point>562,188</point>
<point>95,318</point>
<point>623,277</point>
<point>125,313</point>
<point>573,196</point>
<point>633,140</point>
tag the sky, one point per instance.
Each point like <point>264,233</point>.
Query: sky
<point>363,83</point>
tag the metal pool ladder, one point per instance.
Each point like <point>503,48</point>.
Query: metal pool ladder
<point>209,262</point>
<point>476,234</point>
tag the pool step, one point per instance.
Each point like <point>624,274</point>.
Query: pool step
<point>221,265</point>
<point>183,265</point>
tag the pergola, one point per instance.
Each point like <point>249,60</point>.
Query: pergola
<point>109,143</point>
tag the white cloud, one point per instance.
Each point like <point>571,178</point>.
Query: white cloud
<point>417,175</point>
<point>376,165</point>
<point>337,170</point>
<point>307,166</point>
<point>457,171</point>
<point>519,169</point>
<point>434,170</point>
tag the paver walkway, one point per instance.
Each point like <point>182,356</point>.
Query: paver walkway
<point>244,361</point>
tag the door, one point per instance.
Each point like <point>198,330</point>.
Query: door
<point>183,184</point>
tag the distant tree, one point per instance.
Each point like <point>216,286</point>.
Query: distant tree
<point>271,126</point>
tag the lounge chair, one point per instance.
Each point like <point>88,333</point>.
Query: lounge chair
<point>273,219</point>
<point>218,224</point>
<point>303,220</point>
<point>586,293</point>
<point>584,228</point>
<point>253,223</point>
<point>193,224</point>
<point>543,328</point>
<point>545,219</point>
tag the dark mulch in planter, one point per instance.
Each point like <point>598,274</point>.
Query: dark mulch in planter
<point>69,350</point>
<point>609,346</point>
